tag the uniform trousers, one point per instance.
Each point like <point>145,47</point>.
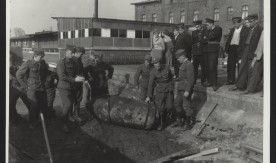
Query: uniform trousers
<point>77,100</point>
<point>163,101</point>
<point>198,60</point>
<point>211,64</point>
<point>183,103</point>
<point>38,102</point>
<point>242,79</point>
<point>51,94</point>
<point>231,62</point>
<point>143,93</point>
<point>255,76</point>
<point>14,95</point>
<point>67,98</point>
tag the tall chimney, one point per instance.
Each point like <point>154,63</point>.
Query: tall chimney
<point>96,9</point>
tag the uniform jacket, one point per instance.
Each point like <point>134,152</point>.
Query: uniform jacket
<point>163,80</point>
<point>66,71</point>
<point>13,81</point>
<point>213,37</point>
<point>257,32</point>
<point>243,36</point>
<point>198,41</point>
<point>144,72</point>
<point>79,65</point>
<point>183,41</point>
<point>186,76</point>
<point>35,73</point>
<point>50,80</point>
<point>260,48</point>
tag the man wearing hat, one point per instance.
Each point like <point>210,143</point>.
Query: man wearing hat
<point>79,51</point>
<point>144,71</point>
<point>198,43</point>
<point>161,78</point>
<point>34,71</point>
<point>249,57</point>
<point>234,47</point>
<point>211,50</point>
<point>68,78</point>
<point>184,89</point>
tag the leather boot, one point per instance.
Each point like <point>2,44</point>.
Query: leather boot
<point>187,125</point>
<point>178,122</point>
<point>162,122</point>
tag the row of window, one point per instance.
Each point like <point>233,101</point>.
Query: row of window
<point>105,32</point>
<point>230,13</point>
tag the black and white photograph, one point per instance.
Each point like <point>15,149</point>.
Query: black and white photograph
<point>138,81</point>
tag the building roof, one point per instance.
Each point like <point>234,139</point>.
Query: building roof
<point>22,37</point>
<point>46,32</point>
<point>145,2</point>
<point>34,35</point>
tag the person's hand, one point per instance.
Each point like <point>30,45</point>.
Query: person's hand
<point>79,79</point>
<point>239,61</point>
<point>253,62</point>
<point>186,94</point>
<point>147,100</point>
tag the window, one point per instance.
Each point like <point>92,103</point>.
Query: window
<point>216,14</point>
<point>122,33</point>
<point>196,13</point>
<point>170,17</point>
<point>244,11</point>
<point>72,34</point>
<point>154,17</point>
<point>182,16</point>
<point>81,33</point>
<point>146,34</point>
<point>65,35</point>
<point>138,34</point>
<point>230,12</point>
<point>114,32</point>
<point>144,18</point>
<point>95,32</point>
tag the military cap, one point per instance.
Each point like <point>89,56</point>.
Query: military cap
<point>71,48</point>
<point>148,57</point>
<point>38,52</point>
<point>197,22</point>
<point>156,31</point>
<point>252,17</point>
<point>208,20</point>
<point>156,60</point>
<point>80,49</point>
<point>236,19</point>
<point>180,52</point>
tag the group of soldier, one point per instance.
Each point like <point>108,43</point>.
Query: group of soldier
<point>33,82</point>
<point>184,53</point>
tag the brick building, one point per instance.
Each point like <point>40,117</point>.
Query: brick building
<point>186,11</point>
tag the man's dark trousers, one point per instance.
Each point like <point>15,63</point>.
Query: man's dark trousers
<point>231,63</point>
<point>38,102</point>
<point>14,95</point>
<point>199,60</point>
<point>255,75</point>
<point>242,79</point>
<point>211,63</point>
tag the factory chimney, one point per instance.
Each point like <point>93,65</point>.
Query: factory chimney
<point>96,9</point>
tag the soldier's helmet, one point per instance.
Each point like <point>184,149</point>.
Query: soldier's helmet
<point>80,50</point>
<point>38,52</point>
<point>180,52</point>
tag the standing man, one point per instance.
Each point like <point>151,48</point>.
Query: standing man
<point>35,71</point>
<point>67,74</point>
<point>211,50</point>
<point>234,48</point>
<point>250,45</point>
<point>161,76</point>
<point>184,31</point>
<point>198,43</point>
<point>79,51</point>
<point>184,89</point>
<point>144,71</point>
<point>16,90</point>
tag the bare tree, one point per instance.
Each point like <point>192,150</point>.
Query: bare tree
<point>18,31</point>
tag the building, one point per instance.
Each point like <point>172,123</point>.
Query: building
<point>186,11</point>
<point>46,40</point>
<point>120,41</point>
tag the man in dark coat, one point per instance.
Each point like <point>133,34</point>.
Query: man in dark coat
<point>143,71</point>
<point>250,45</point>
<point>67,74</point>
<point>198,56</point>
<point>35,70</point>
<point>234,48</point>
<point>184,89</point>
<point>211,50</point>
<point>161,81</point>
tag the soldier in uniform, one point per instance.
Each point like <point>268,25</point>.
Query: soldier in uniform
<point>144,71</point>
<point>67,74</point>
<point>16,90</point>
<point>211,50</point>
<point>198,43</point>
<point>35,70</point>
<point>79,51</point>
<point>184,89</point>
<point>161,76</point>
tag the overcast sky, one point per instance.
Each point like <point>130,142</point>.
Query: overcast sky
<point>35,15</point>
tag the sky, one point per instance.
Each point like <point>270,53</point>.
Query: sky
<point>35,15</point>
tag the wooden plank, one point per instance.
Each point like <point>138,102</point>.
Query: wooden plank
<point>253,153</point>
<point>175,156</point>
<point>203,153</point>
<point>207,108</point>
